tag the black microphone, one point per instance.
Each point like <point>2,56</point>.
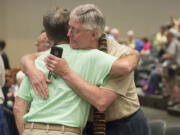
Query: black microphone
<point>56,51</point>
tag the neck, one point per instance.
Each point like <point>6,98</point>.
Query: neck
<point>94,45</point>
<point>61,42</point>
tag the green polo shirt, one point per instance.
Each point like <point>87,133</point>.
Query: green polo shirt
<point>64,106</point>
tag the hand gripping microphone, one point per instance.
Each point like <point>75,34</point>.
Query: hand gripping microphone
<point>56,51</point>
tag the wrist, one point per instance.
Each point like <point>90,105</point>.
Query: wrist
<point>67,74</point>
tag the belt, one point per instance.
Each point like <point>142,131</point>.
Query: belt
<point>53,127</point>
<point>122,120</point>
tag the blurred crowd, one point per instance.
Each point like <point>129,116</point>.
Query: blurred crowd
<point>158,70</point>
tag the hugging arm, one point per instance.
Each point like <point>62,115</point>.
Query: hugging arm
<point>125,64</point>
<point>20,109</point>
<point>37,78</point>
<point>99,97</point>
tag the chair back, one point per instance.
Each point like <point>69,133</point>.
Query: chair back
<point>174,130</point>
<point>157,127</point>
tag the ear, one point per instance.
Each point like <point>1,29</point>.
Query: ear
<point>51,42</point>
<point>94,34</point>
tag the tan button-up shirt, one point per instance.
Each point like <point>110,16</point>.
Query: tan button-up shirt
<point>127,102</point>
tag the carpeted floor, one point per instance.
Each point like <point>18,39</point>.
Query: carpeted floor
<point>156,114</point>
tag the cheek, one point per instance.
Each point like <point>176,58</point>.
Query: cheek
<point>77,38</point>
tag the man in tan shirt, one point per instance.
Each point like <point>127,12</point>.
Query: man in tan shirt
<point>118,98</point>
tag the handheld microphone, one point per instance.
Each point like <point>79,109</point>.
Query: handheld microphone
<point>56,51</point>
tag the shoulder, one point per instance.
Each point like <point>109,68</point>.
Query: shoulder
<point>116,49</point>
<point>43,54</point>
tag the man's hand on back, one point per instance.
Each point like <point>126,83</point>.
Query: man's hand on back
<point>39,83</point>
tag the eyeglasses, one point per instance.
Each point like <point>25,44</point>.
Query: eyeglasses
<point>73,30</point>
<point>76,31</point>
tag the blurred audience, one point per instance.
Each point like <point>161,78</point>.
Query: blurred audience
<point>146,47</point>
<point>174,22</point>
<point>134,43</point>
<point>172,55</point>
<point>160,41</point>
<point>171,67</point>
<point>115,33</point>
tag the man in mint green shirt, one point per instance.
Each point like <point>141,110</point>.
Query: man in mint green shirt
<point>64,106</point>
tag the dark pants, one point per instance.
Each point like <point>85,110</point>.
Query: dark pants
<point>11,121</point>
<point>136,124</point>
<point>155,78</point>
<point>4,130</point>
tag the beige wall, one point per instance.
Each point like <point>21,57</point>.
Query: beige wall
<point>2,19</point>
<point>20,20</point>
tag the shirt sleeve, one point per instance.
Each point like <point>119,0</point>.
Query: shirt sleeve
<point>119,84</point>
<point>24,90</point>
<point>103,63</point>
<point>116,49</point>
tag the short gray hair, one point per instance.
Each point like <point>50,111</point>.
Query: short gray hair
<point>90,16</point>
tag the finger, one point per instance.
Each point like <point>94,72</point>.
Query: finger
<point>44,84</point>
<point>51,57</point>
<point>35,90</point>
<point>48,59</point>
<point>50,67</point>
<point>38,89</point>
<point>45,91</point>
<point>51,63</point>
<point>42,91</point>
<point>48,81</point>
